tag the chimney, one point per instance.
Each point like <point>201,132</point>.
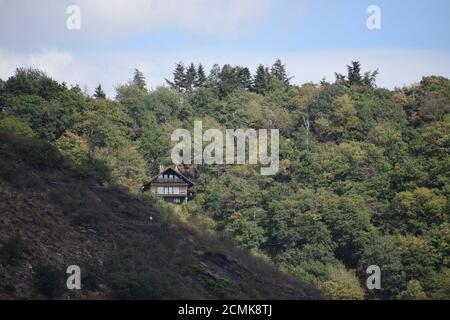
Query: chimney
<point>161,168</point>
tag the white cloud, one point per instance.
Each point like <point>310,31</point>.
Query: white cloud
<point>220,16</point>
<point>50,60</point>
<point>34,23</point>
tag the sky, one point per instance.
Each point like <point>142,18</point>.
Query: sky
<point>314,38</point>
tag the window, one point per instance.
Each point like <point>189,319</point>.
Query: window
<point>160,190</point>
<point>176,190</point>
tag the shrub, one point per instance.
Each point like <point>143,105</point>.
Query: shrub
<point>12,250</point>
<point>136,286</point>
<point>15,126</point>
<point>342,285</point>
<point>49,280</point>
<point>91,277</point>
<point>86,217</point>
<point>221,287</point>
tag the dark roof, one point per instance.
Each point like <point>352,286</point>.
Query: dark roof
<point>172,171</point>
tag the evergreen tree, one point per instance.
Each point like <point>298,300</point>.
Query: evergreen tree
<point>262,80</point>
<point>99,93</point>
<point>191,76</point>
<point>214,75</point>
<point>228,80</point>
<point>354,73</point>
<point>370,78</point>
<point>139,79</point>
<point>340,78</point>
<point>244,77</point>
<point>201,76</point>
<point>278,71</point>
<point>179,78</point>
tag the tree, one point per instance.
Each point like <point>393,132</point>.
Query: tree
<point>214,75</point>
<point>139,79</point>
<point>370,78</point>
<point>342,285</point>
<point>191,76</point>
<point>417,211</point>
<point>262,80</point>
<point>201,76</point>
<point>28,81</point>
<point>244,77</point>
<point>99,93</point>
<point>179,78</point>
<point>15,126</point>
<point>245,229</point>
<point>153,145</point>
<point>414,291</point>
<point>278,71</point>
<point>354,73</point>
<point>340,122</point>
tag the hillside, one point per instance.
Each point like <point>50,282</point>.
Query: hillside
<point>127,247</point>
<point>363,180</point>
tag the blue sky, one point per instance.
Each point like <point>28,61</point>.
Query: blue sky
<point>314,38</point>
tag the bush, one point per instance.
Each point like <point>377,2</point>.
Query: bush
<point>7,169</point>
<point>221,287</point>
<point>85,217</point>
<point>40,154</point>
<point>91,277</point>
<point>136,286</point>
<point>15,126</point>
<point>49,280</point>
<point>12,250</point>
<point>342,285</point>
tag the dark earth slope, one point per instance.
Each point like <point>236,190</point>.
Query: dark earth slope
<point>127,247</point>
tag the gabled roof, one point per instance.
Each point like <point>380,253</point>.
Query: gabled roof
<point>172,171</point>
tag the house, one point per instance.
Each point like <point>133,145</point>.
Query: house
<point>170,185</point>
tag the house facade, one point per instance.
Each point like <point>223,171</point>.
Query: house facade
<point>170,185</point>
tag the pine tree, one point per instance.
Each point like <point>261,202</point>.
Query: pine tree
<point>370,78</point>
<point>191,76</point>
<point>201,76</point>
<point>99,93</point>
<point>278,71</point>
<point>262,80</point>
<point>229,80</point>
<point>354,73</point>
<point>139,79</point>
<point>214,75</point>
<point>244,77</point>
<point>179,78</point>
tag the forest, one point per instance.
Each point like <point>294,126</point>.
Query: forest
<point>364,176</point>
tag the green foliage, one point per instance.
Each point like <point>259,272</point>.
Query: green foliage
<point>99,93</point>
<point>419,210</point>
<point>218,285</point>
<point>342,285</point>
<point>153,145</point>
<point>15,126</point>
<point>414,291</point>
<point>139,80</point>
